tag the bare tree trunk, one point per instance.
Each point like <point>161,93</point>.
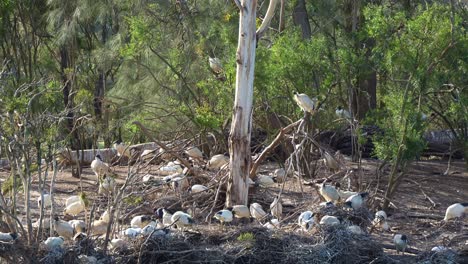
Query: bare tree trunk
<point>239,137</point>
<point>301,18</point>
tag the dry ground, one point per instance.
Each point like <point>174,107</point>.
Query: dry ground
<point>413,213</point>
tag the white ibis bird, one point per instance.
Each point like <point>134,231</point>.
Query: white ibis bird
<point>265,180</point>
<point>355,229</point>
<point>182,219</point>
<point>305,103</point>
<point>215,65</point>
<point>380,220</point>
<point>329,220</point>
<point>99,167</point>
<point>240,211</point>
<point>166,216</point>
<point>72,199</point>
<point>150,229</point>
<point>118,244</point>
<point>107,185</point>
<point>76,208</point>
<point>401,242</point>
<point>276,208</point>
<point>54,242</point>
<point>329,193</point>
<point>131,232</point>
<point>279,175</point>
<point>455,211</point>
<point>140,221</point>
<point>197,188</point>
<point>306,220</point>
<point>356,201</point>
<point>342,113</point>
<point>217,162</point>
<point>257,211</point>
<point>63,228</point>
<point>79,226</point>
<point>47,200</point>
<point>8,237</point>
<point>272,224</point>
<point>344,195</point>
<point>122,149</point>
<point>330,161</point>
<point>224,216</point>
<point>194,153</point>
<point>99,227</point>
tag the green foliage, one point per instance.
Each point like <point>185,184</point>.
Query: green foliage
<point>133,200</point>
<point>246,237</point>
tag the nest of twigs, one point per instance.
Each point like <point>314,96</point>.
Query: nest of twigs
<point>441,257</point>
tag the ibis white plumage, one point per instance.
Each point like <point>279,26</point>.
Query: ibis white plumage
<point>272,224</point>
<point>329,220</point>
<point>107,185</point>
<point>164,215</point>
<point>194,153</point>
<point>456,211</point>
<point>257,212</point>
<point>329,193</point>
<point>240,211</point>
<point>276,208</point>
<point>79,226</point>
<point>122,149</point>
<point>380,220</point>
<point>224,216</point>
<point>355,229</point>
<point>53,242</point>
<point>306,220</point>
<point>217,162</point>
<point>356,201</point>
<point>401,242</point>
<point>265,180</point>
<point>99,167</point>
<point>63,228</point>
<point>342,113</point>
<point>72,199</point>
<point>75,208</point>
<point>8,237</point>
<point>47,200</point>
<point>304,102</point>
<point>140,221</point>
<point>215,65</point>
<point>182,219</point>
<point>132,232</point>
<point>197,188</point>
<point>344,195</point>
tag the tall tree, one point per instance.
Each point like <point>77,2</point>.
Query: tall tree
<point>241,127</point>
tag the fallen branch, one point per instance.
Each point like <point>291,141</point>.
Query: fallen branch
<point>422,191</point>
<point>271,147</point>
<point>164,147</point>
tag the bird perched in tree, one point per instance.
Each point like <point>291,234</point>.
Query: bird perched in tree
<point>305,103</point>
<point>356,201</point>
<point>342,113</point>
<point>257,212</point>
<point>329,193</point>
<point>215,65</point>
<point>99,167</point>
<point>401,242</point>
<point>276,208</point>
<point>455,211</point>
<point>306,220</point>
<point>122,149</point>
<point>329,220</point>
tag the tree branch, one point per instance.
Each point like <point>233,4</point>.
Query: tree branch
<point>266,22</point>
<point>238,4</point>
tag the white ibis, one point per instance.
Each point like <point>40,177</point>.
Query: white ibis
<point>401,242</point>
<point>356,201</point>
<point>455,211</point>
<point>304,102</point>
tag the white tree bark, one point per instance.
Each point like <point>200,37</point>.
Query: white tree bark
<point>239,138</point>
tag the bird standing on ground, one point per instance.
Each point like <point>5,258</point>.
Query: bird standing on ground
<point>182,219</point>
<point>257,211</point>
<point>194,153</point>
<point>240,211</point>
<point>401,242</point>
<point>265,181</point>
<point>217,161</point>
<point>356,201</point>
<point>224,216</point>
<point>164,215</point>
<point>99,167</point>
<point>304,102</point>
<point>329,220</point>
<point>329,193</point>
<point>47,200</point>
<point>63,229</point>
<point>456,211</point>
<point>380,220</point>
<point>107,185</point>
<point>276,208</point>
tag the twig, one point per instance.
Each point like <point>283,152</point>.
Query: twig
<point>424,193</point>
